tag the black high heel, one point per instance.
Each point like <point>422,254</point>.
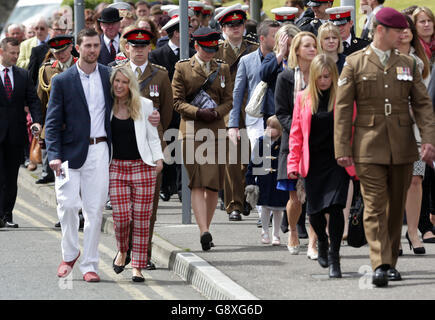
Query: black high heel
<point>419,250</point>
<point>116,268</point>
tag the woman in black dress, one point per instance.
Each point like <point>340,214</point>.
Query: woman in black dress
<point>311,155</point>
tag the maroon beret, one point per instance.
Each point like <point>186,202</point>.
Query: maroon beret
<point>392,18</point>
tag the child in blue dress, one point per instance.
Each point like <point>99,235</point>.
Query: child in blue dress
<point>261,175</point>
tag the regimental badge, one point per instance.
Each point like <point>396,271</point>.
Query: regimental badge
<point>140,36</point>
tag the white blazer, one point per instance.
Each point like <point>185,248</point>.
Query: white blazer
<point>147,136</point>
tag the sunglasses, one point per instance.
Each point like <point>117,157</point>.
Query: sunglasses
<point>40,28</point>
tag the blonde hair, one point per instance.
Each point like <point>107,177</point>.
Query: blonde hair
<point>318,65</point>
<point>290,29</point>
<point>273,122</point>
<point>297,40</point>
<point>427,11</point>
<point>134,97</point>
<point>324,30</point>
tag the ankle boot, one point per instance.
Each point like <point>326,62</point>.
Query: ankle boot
<point>323,253</point>
<point>334,265</point>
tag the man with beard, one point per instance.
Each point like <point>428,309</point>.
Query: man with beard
<point>77,130</point>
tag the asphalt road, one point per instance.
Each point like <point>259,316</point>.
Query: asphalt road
<point>30,255</point>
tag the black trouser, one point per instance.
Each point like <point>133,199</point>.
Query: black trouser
<point>335,227</point>
<point>10,159</point>
<point>424,224</point>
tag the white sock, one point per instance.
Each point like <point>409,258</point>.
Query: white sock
<point>277,217</point>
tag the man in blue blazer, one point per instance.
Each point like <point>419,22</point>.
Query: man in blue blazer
<point>247,78</point>
<point>78,131</point>
<point>16,91</point>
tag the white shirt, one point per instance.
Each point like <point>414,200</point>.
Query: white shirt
<point>173,47</point>
<point>203,64</point>
<point>115,42</point>
<point>380,53</point>
<point>93,88</point>
<point>10,74</point>
<point>349,40</point>
<point>38,42</point>
<point>142,67</point>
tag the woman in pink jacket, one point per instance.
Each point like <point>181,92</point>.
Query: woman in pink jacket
<point>311,156</point>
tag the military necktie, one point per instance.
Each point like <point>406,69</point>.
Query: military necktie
<point>138,72</point>
<point>384,58</point>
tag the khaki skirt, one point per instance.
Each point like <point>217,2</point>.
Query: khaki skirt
<point>202,164</point>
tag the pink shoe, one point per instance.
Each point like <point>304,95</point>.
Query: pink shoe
<point>65,268</point>
<point>91,277</point>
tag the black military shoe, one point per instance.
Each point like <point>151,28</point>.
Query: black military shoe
<point>393,275</point>
<point>380,277</point>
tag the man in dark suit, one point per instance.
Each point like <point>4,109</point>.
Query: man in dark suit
<point>77,130</point>
<point>167,56</point>
<point>16,91</point>
<point>342,17</point>
<point>110,24</point>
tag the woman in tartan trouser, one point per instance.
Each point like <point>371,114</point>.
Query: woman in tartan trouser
<point>137,158</point>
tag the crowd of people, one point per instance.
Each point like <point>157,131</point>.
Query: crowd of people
<point>338,117</point>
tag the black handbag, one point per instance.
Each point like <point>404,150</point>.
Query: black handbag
<point>355,236</point>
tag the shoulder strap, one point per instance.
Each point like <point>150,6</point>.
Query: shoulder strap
<point>211,78</point>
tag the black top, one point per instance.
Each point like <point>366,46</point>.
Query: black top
<point>124,140</point>
<point>326,183</point>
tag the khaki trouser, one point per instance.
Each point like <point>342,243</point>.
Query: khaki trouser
<point>234,180</point>
<point>384,189</point>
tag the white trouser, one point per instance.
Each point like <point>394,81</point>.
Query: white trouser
<point>87,188</point>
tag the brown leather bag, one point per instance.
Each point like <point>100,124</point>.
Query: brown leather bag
<point>35,151</point>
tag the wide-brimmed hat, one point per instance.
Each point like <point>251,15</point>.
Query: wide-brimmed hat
<point>109,15</point>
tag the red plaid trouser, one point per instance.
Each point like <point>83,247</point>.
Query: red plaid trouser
<point>132,184</point>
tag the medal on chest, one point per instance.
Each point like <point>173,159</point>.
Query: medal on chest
<point>222,81</point>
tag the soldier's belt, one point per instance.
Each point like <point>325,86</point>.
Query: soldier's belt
<point>388,110</point>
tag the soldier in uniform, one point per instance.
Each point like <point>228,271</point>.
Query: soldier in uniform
<point>154,84</point>
<point>206,116</point>
<point>342,17</point>
<point>381,81</point>
<point>285,14</point>
<point>232,21</point>
<point>320,16</point>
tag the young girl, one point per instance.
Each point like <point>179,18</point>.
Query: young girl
<point>312,156</point>
<point>262,172</point>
